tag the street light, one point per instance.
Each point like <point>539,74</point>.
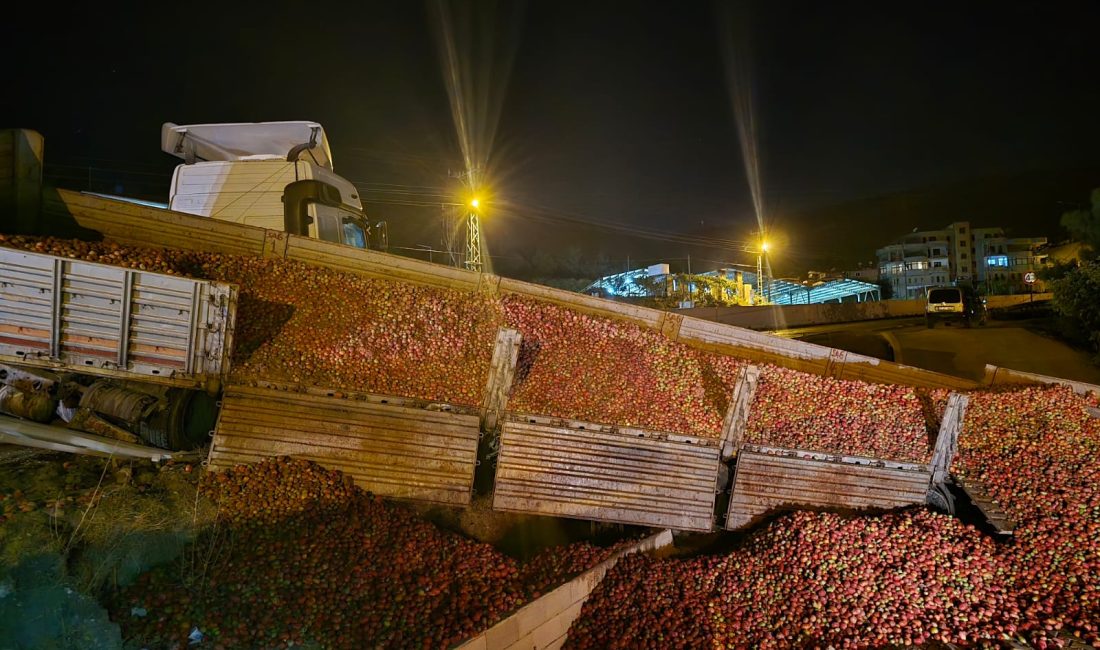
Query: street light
<point>475,203</point>
<point>764,246</point>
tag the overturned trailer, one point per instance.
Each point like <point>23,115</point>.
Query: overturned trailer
<point>596,470</point>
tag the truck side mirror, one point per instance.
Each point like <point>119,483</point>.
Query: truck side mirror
<point>380,237</point>
<point>298,196</point>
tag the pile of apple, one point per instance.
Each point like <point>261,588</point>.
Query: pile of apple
<point>909,578</point>
<point>304,324</point>
<point>302,556</point>
<point>578,366</point>
<point>802,411</point>
<point>901,579</point>
<point>316,326</point>
<point>557,564</point>
<point>1035,450</point>
<point>933,405</point>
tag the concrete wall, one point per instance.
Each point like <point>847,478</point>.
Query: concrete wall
<point>543,623</point>
<point>775,317</point>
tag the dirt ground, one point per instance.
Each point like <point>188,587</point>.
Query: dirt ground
<point>75,528</point>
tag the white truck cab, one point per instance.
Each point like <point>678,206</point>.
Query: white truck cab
<point>275,175</point>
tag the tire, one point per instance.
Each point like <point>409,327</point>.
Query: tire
<point>930,321</point>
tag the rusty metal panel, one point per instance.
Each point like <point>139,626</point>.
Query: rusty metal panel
<point>390,446</point>
<point>106,320</point>
<point>582,470</point>
<point>770,479</point>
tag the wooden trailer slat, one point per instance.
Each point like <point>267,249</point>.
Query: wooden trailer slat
<point>766,482</point>
<point>602,474</point>
<point>391,449</point>
<point>597,472</point>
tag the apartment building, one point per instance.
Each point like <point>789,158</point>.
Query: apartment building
<point>959,254</point>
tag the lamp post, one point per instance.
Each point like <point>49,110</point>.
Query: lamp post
<point>760,269</point>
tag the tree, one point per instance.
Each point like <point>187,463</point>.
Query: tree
<point>1057,270</point>
<point>1077,298</point>
<point>1084,224</point>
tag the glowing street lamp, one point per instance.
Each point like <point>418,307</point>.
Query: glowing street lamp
<point>760,268</point>
<point>475,203</point>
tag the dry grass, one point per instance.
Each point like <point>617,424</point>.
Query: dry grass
<point>107,520</point>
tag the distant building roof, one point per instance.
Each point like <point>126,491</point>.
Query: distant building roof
<point>626,283</point>
<point>783,292</point>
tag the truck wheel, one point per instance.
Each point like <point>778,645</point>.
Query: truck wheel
<point>931,322</point>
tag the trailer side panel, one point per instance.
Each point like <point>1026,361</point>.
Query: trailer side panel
<point>390,449</point>
<point>588,471</point>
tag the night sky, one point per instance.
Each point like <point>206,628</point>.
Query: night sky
<point>873,118</point>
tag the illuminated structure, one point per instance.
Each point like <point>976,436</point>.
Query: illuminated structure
<point>656,282</point>
<point>473,236</point>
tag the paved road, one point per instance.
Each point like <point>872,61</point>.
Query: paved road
<point>956,350</point>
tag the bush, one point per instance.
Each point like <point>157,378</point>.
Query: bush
<point>1077,298</point>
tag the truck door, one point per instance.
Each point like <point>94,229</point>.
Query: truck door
<point>316,208</point>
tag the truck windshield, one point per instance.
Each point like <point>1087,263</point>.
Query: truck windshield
<point>940,296</point>
<point>354,234</point>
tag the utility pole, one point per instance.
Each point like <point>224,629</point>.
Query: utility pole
<point>473,260</point>
<point>760,275</point>
<point>473,239</point>
<point>445,230</point>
